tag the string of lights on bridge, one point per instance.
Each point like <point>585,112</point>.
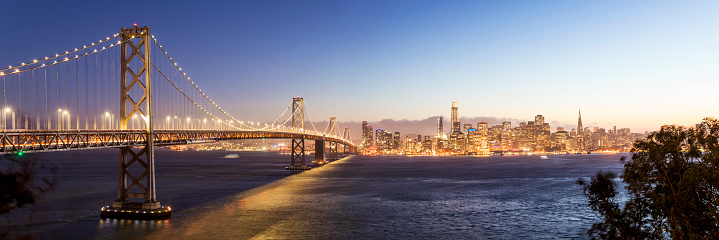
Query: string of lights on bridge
<point>105,84</point>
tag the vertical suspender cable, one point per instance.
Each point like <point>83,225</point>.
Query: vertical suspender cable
<point>23,96</point>
<point>102,87</point>
<point>19,98</point>
<point>77,96</point>
<point>47,114</point>
<point>95,95</point>
<point>87,97</point>
<point>57,95</point>
<point>67,95</point>
<point>111,87</point>
<point>33,112</point>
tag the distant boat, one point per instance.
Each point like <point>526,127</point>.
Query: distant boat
<point>232,156</point>
<point>543,157</point>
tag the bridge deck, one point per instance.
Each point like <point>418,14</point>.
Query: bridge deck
<point>44,141</point>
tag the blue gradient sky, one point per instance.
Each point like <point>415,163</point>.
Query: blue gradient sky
<point>637,64</point>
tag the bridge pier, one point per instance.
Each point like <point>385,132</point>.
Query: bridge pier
<point>297,162</point>
<point>319,153</point>
<point>148,207</point>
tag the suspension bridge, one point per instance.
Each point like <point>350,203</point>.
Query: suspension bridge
<point>126,92</point>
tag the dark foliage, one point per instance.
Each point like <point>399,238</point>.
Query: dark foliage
<point>672,181</point>
<point>24,178</point>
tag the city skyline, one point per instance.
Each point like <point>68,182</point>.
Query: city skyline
<point>488,138</point>
<point>510,60</point>
<point>430,126</point>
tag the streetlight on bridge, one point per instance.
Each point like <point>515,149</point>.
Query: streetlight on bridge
<point>5,113</point>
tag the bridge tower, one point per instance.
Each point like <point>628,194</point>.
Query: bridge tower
<point>334,133</point>
<point>136,100</point>
<point>346,137</point>
<point>297,162</point>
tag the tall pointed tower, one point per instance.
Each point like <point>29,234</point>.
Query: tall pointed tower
<point>455,119</point>
<point>580,134</point>
<point>440,127</point>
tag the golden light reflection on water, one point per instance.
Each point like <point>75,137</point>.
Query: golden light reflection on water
<point>135,225</point>
<point>263,212</point>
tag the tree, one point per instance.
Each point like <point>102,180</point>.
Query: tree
<point>24,179</point>
<point>672,181</point>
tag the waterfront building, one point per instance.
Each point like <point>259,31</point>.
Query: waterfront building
<point>396,145</point>
<point>521,137</point>
<point>461,145</point>
<point>453,140</point>
<point>531,142</point>
<point>379,139</point>
<point>560,139</point>
<point>427,144</point>
<point>384,139</point>
<point>506,136</point>
<point>493,138</point>
<point>410,145</point>
<point>482,130</point>
<point>474,141</point>
<point>366,135</point>
<point>543,135</point>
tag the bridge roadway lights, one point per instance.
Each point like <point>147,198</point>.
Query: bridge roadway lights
<point>298,168</point>
<point>136,211</point>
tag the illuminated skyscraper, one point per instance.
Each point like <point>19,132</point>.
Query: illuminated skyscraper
<point>440,128</point>
<point>539,120</point>
<point>455,119</point>
<point>383,139</point>
<point>454,137</point>
<point>506,135</point>
<point>482,129</point>
<point>580,134</point>
<point>366,134</point>
<point>396,144</point>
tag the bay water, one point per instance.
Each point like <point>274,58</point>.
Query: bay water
<point>358,197</point>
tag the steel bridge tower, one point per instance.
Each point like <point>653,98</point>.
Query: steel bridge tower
<point>136,100</point>
<point>298,144</point>
<point>333,144</point>
<point>346,137</point>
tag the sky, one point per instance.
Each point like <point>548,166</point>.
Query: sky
<point>635,64</point>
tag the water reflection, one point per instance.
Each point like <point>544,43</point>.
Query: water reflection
<point>134,225</point>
